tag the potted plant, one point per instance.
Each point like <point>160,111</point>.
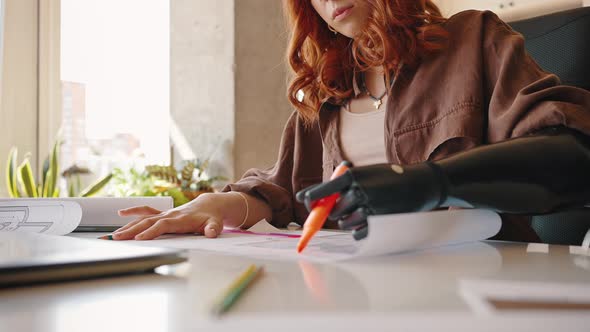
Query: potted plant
<point>21,182</point>
<point>182,185</point>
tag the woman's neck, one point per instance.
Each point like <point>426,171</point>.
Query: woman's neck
<point>375,81</point>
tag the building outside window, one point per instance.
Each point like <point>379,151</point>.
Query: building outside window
<point>115,69</point>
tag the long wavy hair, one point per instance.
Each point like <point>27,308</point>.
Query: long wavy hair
<point>323,64</point>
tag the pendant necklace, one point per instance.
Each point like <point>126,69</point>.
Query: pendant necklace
<point>377,101</point>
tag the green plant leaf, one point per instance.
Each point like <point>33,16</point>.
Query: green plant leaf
<point>78,184</point>
<point>94,188</point>
<point>71,191</point>
<point>26,179</point>
<point>177,196</point>
<point>44,176</point>
<point>53,170</point>
<point>187,171</point>
<point>45,192</point>
<point>11,172</point>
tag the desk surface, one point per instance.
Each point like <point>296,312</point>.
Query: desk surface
<point>441,285</point>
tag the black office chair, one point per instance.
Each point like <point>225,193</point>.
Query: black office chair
<point>560,44</point>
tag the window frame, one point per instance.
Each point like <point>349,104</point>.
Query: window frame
<point>49,81</point>
<point>19,100</point>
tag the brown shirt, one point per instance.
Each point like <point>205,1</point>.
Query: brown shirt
<point>483,88</point>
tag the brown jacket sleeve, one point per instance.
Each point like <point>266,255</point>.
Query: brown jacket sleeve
<point>277,185</point>
<point>522,98</point>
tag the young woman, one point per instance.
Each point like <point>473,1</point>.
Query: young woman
<point>432,112</point>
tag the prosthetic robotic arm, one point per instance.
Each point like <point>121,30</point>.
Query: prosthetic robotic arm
<point>542,173</point>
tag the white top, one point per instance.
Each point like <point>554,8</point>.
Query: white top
<point>362,136</point>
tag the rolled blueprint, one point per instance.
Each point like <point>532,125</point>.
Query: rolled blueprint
<point>48,216</point>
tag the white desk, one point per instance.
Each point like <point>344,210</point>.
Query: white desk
<point>420,291</point>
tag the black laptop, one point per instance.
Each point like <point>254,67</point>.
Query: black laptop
<point>30,258</point>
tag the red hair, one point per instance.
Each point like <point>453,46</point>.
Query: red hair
<point>398,31</point>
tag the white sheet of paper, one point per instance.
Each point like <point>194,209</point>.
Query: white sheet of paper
<point>413,231</point>
<point>264,227</point>
<point>48,216</point>
<point>103,211</point>
<point>388,234</point>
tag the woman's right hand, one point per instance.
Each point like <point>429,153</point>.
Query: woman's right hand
<point>204,215</point>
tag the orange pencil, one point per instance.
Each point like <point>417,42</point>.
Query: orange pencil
<point>320,212</point>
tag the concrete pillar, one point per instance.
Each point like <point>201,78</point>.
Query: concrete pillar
<point>202,79</point>
<point>262,107</point>
<point>228,81</point>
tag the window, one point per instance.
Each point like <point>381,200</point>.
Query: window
<point>115,64</point>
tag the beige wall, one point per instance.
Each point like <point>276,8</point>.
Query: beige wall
<point>228,80</point>
<point>511,10</point>
<point>262,107</point>
<point>18,109</point>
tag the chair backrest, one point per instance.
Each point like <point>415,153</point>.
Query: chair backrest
<point>560,44</point>
<point>567,227</point>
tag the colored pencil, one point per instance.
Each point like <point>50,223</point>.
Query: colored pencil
<point>236,289</point>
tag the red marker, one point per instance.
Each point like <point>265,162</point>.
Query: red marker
<point>320,212</point>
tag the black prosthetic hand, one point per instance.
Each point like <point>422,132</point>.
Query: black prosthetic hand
<point>378,189</point>
<point>536,174</point>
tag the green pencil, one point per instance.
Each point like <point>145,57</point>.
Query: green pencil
<point>237,287</point>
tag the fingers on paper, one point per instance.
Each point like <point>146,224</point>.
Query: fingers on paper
<point>151,227</point>
<point>212,228</point>
<point>139,211</point>
<point>130,230</point>
<point>209,227</point>
<point>129,225</point>
<point>162,226</point>
<point>133,223</point>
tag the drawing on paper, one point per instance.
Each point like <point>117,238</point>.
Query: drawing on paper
<point>18,218</point>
